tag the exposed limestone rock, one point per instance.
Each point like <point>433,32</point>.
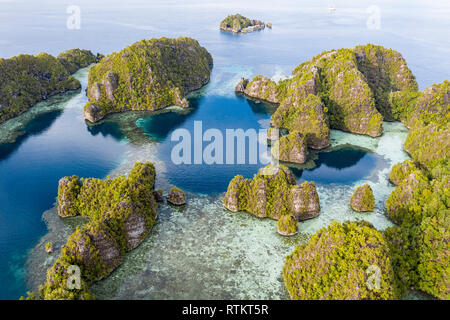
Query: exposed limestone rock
<point>304,201</point>
<point>263,88</point>
<point>348,96</point>
<point>306,116</point>
<point>158,194</point>
<point>272,193</point>
<point>401,171</point>
<point>26,80</point>
<point>363,199</point>
<point>335,263</point>
<point>92,113</point>
<point>431,105</point>
<point>236,187</point>
<point>385,71</point>
<point>273,134</point>
<point>95,250</point>
<point>354,86</point>
<point>121,212</point>
<point>287,225</point>
<point>49,247</point>
<point>68,191</point>
<point>240,87</point>
<point>291,148</point>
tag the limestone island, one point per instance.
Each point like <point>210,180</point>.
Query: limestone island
<point>352,90</point>
<point>176,196</point>
<point>273,193</point>
<point>120,213</point>
<point>27,79</point>
<point>336,262</point>
<point>237,23</point>
<point>147,75</point>
<point>414,253</point>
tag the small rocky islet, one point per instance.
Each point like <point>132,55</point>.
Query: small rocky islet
<point>237,23</point>
<point>363,199</point>
<point>355,90</point>
<point>348,89</point>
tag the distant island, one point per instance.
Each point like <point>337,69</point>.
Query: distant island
<point>237,23</point>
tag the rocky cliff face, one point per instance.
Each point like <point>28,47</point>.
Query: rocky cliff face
<point>310,273</point>
<point>261,88</point>
<point>176,196</point>
<point>148,75</point>
<point>26,80</point>
<point>347,95</point>
<point>273,193</point>
<point>304,201</point>
<point>237,23</point>
<point>306,116</point>
<point>363,199</point>
<point>354,88</point>
<point>121,212</point>
<point>428,140</point>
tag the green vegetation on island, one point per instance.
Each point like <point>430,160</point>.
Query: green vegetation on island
<point>176,196</point>
<point>75,59</point>
<point>349,261</point>
<point>237,23</point>
<point>121,212</point>
<point>363,199</point>
<point>291,148</point>
<point>27,79</point>
<point>148,75</point>
<point>273,193</point>
<point>347,89</point>
<point>419,204</point>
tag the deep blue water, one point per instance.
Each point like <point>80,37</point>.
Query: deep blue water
<point>59,143</point>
